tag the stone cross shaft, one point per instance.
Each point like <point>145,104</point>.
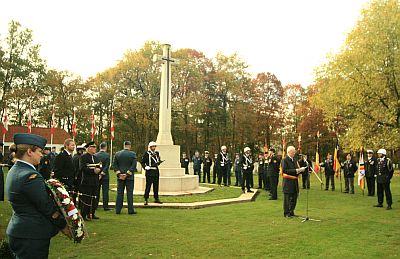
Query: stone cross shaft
<point>164,130</point>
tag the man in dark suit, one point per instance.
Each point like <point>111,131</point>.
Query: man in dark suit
<point>104,183</point>
<point>35,219</point>
<point>329,172</point>
<point>45,166</point>
<point>124,165</point>
<point>207,163</point>
<point>150,162</point>
<point>90,182</point>
<point>185,162</point>
<point>64,169</point>
<point>349,168</point>
<point>384,173</point>
<point>290,184</point>
<point>80,150</point>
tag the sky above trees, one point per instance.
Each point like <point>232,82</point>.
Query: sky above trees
<point>288,38</point>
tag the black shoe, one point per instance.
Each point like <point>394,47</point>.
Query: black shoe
<point>250,191</point>
<point>146,202</point>
<point>132,213</point>
<point>107,209</point>
<point>326,189</point>
<point>352,192</point>
<point>158,201</point>
<point>378,205</point>
<point>389,207</point>
<point>95,217</point>
<point>288,216</point>
<point>346,192</point>
<point>272,199</point>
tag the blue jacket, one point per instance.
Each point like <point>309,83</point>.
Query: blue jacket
<point>104,158</point>
<point>124,161</point>
<point>33,208</point>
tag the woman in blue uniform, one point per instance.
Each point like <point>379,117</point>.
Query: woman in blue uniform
<point>35,219</point>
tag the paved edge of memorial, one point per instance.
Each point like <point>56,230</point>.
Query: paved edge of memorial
<point>245,197</point>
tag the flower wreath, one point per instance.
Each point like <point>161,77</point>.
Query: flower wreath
<point>67,207</point>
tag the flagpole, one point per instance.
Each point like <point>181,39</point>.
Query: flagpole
<point>112,132</point>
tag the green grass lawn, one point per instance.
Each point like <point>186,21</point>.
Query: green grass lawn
<point>350,228</point>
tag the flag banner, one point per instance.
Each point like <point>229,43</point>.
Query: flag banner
<point>336,163</point>
<point>93,126</point>
<point>361,170</point>
<point>74,125</point>
<point>5,122</point>
<point>53,123</point>
<point>30,121</point>
<point>112,126</point>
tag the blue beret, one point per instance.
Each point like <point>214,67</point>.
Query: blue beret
<point>30,139</point>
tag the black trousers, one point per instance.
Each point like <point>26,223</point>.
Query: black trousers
<point>371,186</point>
<point>267,182</point>
<point>89,199</point>
<point>261,180</point>
<point>197,172</point>
<point>274,186</point>
<point>384,187</point>
<point>223,174</point>
<point>289,203</point>
<point>305,178</point>
<point>331,178</point>
<point>246,180</point>
<point>206,173</point>
<point>152,178</point>
<point>215,174</point>
<point>25,248</point>
<point>1,185</point>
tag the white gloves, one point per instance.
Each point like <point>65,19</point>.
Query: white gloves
<point>147,168</point>
<point>300,170</point>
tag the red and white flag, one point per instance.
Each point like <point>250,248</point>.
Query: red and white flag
<point>53,123</point>
<point>30,120</point>
<point>74,125</point>
<point>112,126</point>
<point>5,122</point>
<point>93,126</point>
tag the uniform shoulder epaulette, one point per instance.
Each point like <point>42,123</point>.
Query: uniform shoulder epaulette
<point>32,176</point>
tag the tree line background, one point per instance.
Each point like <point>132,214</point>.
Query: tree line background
<point>216,102</point>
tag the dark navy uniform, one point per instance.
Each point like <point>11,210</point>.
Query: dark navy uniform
<point>34,221</point>
<point>272,166</point>
<point>89,185</point>
<point>261,174</point>
<point>125,164</point>
<point>45,167</point>
<point>290,185</point>
<point>246,163</point>
<point>384,174</point>
<point>222,164</point>
<point>349,168</point>
<point>207,163</point>
<point>104,182</point>
<point>370,171</point>
<point>197,161</point>
<point>305,176</point>
<point>329,174</point>
<point>185,164</point>
<point>151,161</point>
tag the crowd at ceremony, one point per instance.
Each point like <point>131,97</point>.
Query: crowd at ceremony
<point>84,172</point>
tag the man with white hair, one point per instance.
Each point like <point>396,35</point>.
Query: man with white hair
<point>384,173</point>
<point>150,162</point>
<point>247,165</point>
<point>290,184</point>
<point>222,163</point>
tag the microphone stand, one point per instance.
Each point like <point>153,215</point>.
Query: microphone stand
<point>307,218</point>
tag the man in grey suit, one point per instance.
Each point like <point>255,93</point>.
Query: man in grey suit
<point>124,165</point>
<point>105,178</point>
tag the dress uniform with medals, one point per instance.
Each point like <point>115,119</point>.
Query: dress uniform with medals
<point>349,168</point>
<point>272,167</point>
<point>104,183</point>
<point>45,165</point>
<point>222,164</point>
<point>150,162</point>
<point>384,173</point>
<point>247,165</point>
<point>89,182</point>
<point>370,171</point>
<point>329,172</point>
<point>124,165</point>
<point>207,163</point>
<point>185,163</point>
<point>35,218</point>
